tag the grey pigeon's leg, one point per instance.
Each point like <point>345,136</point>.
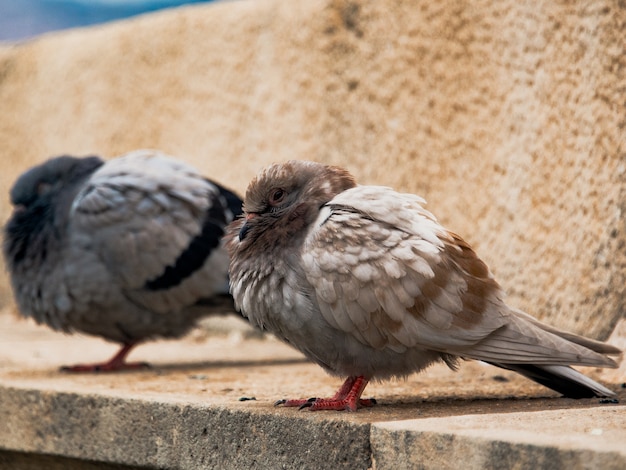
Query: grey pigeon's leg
<point>116,363</point>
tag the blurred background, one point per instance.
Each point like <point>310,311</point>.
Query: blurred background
<point>22,19</point>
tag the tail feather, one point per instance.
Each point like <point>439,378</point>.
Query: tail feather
<point>597,346</point>
<point>562,379</point>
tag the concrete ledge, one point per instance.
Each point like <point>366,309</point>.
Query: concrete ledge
<point>185,412</point>
<point>581,439</point>
<point>171,433</point>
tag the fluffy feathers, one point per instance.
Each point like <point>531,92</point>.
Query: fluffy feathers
<point>128,249</point>
<point>366,282</point>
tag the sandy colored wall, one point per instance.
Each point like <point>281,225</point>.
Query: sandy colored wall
<point>509,117</point>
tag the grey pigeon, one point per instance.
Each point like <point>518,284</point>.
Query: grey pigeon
<point>366,283</point>
<point>129,249</point>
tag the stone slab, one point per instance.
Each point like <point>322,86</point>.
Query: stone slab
<point>550,440</point>
<point>185,411</point>
<point>169,432</point>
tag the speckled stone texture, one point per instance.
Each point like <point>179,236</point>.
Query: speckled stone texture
<point>186,412</point>
<point>555,440</point>
<point>507,116</point>
<point>182,421</point>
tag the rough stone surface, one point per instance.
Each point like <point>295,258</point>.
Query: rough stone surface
<point>173,433</point>
<point>508,117</point>
<point>185,411</point>
<point>554,440</point>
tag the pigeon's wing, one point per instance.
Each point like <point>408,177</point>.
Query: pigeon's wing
<point>384,270</point>
<point>157,225</point>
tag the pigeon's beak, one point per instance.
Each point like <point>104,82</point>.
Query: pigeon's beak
<point>245,227</point>
<point>18,208</point>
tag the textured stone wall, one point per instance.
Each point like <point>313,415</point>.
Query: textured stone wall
<point>509,117</point>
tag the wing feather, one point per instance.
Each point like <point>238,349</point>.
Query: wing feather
<point>411,283</point>
<point>140,213</point>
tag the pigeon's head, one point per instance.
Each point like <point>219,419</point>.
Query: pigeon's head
<point>287,197</point>
<point>44,181</point>
<point>39,196</point>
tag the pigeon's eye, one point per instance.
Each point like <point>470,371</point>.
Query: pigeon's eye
<point>277,196</point>
<point>43,188</point>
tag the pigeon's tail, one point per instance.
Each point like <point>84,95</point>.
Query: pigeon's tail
<point>562,379</point>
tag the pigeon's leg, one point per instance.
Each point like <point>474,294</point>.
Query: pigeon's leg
<point>116,363</point>
<point>348,397</point>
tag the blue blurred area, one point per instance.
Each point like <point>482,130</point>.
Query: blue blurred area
<point>20,19</point>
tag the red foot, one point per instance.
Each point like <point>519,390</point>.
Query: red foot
<point>116,363</point>
<point>317,404</point>
<point>347,398</point>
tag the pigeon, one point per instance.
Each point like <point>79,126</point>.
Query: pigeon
<point>366,283</point>
<point>128,249</point>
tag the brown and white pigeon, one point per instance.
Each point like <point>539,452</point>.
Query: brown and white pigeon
<point>366,283</point>
<point>129,249</point>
